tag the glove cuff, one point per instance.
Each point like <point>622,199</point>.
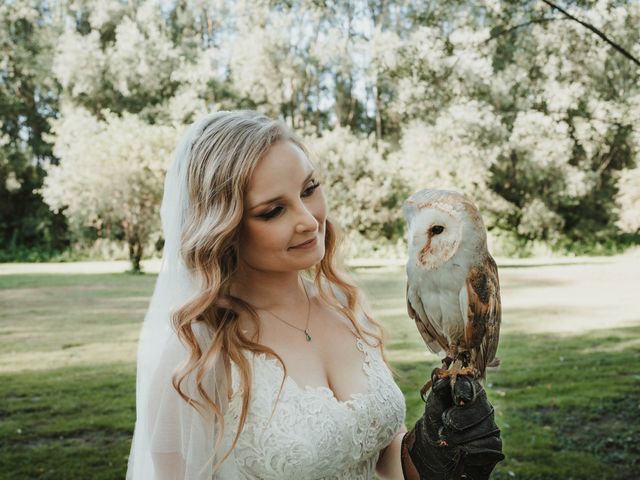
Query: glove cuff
<point>409,471</point>
<point>430,459</point>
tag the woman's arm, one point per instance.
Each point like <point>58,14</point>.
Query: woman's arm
<point>389,466</point>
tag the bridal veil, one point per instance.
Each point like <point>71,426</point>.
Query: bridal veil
<point>172,440</point>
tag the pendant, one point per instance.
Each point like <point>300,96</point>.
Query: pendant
<point>307,334</point>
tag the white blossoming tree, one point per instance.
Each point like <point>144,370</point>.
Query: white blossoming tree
<point>523,109</point>
<point>112,175</point>
<point>364,189</point>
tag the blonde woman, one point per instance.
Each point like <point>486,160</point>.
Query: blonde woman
<point>257,356</point>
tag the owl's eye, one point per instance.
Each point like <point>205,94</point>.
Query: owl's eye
<point>437,229</point>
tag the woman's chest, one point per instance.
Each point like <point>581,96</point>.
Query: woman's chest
<point>308,432</point>
<point>329,359</point>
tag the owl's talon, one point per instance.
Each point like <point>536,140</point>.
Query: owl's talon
<point>425,388</point>
<point>437,374</point>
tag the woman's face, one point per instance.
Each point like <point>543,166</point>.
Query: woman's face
<point>284,207</point>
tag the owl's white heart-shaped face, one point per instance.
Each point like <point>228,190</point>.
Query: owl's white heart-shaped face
<point>435,233</point>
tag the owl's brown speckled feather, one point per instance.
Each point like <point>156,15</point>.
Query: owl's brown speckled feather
<point>484,314</point>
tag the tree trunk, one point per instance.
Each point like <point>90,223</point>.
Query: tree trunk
<point>376,99</point>
<point>135,254</point>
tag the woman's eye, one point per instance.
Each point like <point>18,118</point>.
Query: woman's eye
<point>272,213</point>
<point>311,189</point>
<point>276,211</point>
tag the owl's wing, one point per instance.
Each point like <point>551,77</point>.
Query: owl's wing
<point>435,343</point>
<point>483,311</point>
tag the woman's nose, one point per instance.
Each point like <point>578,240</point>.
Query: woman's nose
<point>306,220</point>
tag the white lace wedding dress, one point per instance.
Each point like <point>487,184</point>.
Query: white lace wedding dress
<point>312,434</point>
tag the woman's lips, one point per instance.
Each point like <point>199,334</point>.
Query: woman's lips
<point>308,244</point>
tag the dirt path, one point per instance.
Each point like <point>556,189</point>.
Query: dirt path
<point>598,293</point>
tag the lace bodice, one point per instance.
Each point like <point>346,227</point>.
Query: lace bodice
<point>312,434</point>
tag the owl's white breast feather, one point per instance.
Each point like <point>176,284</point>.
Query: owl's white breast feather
<point>438,292</point>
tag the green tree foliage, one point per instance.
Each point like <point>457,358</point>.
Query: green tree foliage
<point>28,98</point>
<point>567,98</point>
<point>563,108</point>
<point>525,110</point>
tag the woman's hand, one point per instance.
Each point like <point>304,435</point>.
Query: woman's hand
<point>451,441</point>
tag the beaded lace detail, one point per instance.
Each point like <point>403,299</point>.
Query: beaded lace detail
<point>312,434</point>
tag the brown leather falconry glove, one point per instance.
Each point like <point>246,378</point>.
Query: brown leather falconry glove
<point>453,441</point>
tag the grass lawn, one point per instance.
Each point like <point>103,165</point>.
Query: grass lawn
<point>567,395</point>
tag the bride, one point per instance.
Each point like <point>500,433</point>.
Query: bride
<point>258,357</point>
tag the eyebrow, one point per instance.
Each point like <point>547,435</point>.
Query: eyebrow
<point>280,197</point>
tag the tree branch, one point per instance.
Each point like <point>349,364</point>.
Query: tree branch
<point>525,24</point>
<point>594,30</point>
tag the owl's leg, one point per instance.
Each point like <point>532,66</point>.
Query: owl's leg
<point>465,357</point>
<point>443,372</point>
<point>447,361</point>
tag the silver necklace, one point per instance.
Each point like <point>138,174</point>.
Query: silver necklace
<point>306,329</point>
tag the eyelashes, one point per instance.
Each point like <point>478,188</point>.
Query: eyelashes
<point>312,188</point>
<point>276,211</point>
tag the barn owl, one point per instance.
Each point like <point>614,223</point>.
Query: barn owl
<point>452,292</point>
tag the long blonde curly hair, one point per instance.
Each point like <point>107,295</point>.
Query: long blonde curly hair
<point>220,165</point>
